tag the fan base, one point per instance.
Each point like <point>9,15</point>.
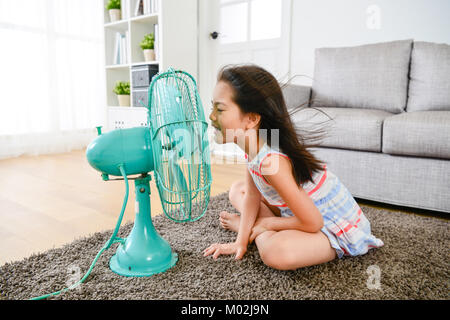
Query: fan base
<point>145,270</point>
<point>144,252</point>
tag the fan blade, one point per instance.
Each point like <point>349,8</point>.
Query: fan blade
<point>179,185</point>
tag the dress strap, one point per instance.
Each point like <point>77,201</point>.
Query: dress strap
<point>268,155</point>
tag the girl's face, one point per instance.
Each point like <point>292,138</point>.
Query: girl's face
<point>226,116</point>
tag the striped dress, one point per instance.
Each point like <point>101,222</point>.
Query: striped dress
<point>345,225</point>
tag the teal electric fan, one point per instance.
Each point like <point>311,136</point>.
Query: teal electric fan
<point>174,146</point>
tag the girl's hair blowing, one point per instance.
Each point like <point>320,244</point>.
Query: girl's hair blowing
<point>257,91</point>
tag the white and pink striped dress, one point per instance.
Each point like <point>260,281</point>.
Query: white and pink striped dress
<point>345,224</point>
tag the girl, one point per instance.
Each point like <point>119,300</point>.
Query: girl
<point>296,210</point>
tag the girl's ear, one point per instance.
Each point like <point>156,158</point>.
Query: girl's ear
<point>253,120</point>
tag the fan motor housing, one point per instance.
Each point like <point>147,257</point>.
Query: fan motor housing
<point>130,147</point>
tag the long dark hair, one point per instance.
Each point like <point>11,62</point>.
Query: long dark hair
<point>257,91</point>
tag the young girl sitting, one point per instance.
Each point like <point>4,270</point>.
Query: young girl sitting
<point>296,210</point>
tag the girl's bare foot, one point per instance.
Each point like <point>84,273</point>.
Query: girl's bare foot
<point>229,221</point>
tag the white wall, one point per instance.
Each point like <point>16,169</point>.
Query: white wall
<point>339,23</point>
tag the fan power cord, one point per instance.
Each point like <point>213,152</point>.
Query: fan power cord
<point>107,245</point>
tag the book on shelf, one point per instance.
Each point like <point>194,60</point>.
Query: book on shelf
<point>139,8</point>
<point>143,7</point>
<point>124,7</point>
<point>156,43</point>
<point>121,48</point>
<point>116,49</point>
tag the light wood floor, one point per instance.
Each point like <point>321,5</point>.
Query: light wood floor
<point>48,201</point>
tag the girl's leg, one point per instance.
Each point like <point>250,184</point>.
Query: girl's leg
<point>283,250</point>
<point>293,249</point>
<point>236,196</point>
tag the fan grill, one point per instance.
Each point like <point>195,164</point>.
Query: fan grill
<point>180,142</point>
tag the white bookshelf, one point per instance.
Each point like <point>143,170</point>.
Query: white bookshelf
<point>177,47</point>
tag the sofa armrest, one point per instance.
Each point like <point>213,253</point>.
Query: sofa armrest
<point>296,95</point>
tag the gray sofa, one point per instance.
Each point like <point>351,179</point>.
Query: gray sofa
<point>389,137</point>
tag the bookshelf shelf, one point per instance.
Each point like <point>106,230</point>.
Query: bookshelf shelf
<point>144,63</point>
<point>117,66</point>
<point>117,24</point>
<point>145,18</point>
<point>174,24</point>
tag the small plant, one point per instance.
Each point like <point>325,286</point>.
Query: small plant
<point>113,4</point>
<point>148,42</point>
<point>122,88</point>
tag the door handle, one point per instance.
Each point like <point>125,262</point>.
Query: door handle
<point>214,35</point>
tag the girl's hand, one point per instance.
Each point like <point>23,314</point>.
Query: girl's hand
<point>216,249</point>
<point>261,225</point>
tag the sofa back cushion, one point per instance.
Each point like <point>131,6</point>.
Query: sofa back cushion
<point>429,86</point>
<point>296,95</point>
<point>372,76</point>
<point>344,128</point>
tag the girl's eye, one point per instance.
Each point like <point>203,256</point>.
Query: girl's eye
<point>219,110</point>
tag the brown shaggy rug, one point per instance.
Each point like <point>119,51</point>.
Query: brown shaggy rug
<point>413,264</point>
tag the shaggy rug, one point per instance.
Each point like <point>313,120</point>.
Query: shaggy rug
<point>413,264</point>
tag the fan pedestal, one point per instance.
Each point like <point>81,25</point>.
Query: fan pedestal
<point>144,252</point>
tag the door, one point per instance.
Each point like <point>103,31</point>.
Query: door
<point>242,31</point>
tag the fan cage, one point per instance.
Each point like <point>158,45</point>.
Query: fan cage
<point>180,146</point>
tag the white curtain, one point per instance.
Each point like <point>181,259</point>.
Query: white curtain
<point>52,82</point>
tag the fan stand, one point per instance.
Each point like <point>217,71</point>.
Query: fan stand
<point>144,252</point>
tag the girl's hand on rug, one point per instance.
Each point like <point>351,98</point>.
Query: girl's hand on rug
<point>216,249</point>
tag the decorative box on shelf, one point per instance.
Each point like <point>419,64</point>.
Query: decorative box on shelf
<point>141,77</point>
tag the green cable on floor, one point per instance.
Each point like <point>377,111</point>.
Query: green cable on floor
<point>108,244</point>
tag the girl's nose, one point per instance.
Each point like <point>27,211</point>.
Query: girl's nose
<point>211,117</point>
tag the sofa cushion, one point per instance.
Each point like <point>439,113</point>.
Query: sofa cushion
<point>429,86</point>
<point>296,95</point>
<point>357,129</point>
<point>419,133</point>
<point>372,76</point>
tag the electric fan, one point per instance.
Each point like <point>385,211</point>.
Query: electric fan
<point>175,147</point>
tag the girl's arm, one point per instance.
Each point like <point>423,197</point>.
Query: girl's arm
<point>252,202</point>
<point>277,171</point>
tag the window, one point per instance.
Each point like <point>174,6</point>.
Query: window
<point>51,65</point>
<point>250,20</point>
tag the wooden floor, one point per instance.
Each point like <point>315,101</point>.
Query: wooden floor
<point>48,201</point>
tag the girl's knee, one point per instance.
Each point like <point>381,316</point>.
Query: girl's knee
<point>280,259</point>
<point>236,189</point>
<point>275,261</point>
<point>278,262</point>
<point>277,258</point>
